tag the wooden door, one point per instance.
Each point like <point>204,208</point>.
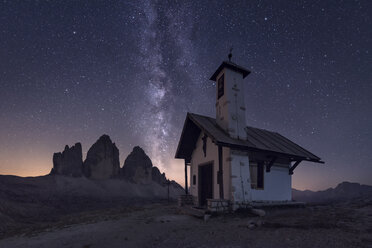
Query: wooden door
<point>205,183</point>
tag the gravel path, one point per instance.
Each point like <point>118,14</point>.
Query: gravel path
<point>162,225</point>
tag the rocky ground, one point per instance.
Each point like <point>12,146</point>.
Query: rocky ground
<point>164,225</point>
<point>26,203</point>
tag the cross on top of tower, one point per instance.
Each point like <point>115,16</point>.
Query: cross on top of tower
<point>230,54</point>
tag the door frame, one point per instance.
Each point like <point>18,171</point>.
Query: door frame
<point>199,179</point>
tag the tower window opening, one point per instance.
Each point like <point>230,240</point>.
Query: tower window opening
<point>221,86</point>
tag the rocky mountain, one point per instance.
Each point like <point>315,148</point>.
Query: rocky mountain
<point>138,168</point>
<point>69,162</point>
<point>102,160</point>
<point>344,191</point>
<point>69,188</point>
<point>157,177</point>
<point>49,198</point>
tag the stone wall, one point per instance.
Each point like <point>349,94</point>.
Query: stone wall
<point>240,205</point>
<point>218,205</point>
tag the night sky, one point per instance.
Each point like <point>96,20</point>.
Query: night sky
<point>71,71</point>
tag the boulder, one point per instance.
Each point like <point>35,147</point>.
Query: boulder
<point>102,160</point>
<point>257,212</point>
<point>69,162</point>
<point>254,223</point>
<point>137,166</point>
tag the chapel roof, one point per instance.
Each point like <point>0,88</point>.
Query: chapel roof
<point>258,140</point>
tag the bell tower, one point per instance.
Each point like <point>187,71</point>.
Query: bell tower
<point>230,103</point>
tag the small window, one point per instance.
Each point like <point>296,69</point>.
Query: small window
<point>260,175</point>
<point>205,145</point>
<point>221,86</point>
<point>257,175</point>
<point>194,180</point>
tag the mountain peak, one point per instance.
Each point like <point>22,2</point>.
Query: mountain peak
<point>343,191</point>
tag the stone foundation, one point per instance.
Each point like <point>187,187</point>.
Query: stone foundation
<point>241,205</point>
<point>218,206</point>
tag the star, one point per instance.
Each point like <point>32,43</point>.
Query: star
<point>133,71</point>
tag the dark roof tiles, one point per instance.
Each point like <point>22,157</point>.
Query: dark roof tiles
<point>257,139</point>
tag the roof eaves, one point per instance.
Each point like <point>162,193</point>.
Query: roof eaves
<point>213,138</point>
<point>292,157</point>
<point>181,137</point>
<point>299,147</point>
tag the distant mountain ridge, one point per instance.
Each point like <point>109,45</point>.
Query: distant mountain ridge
<point>102,163</point>
<point>344,191</point>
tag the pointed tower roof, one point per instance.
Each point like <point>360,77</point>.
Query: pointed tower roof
<point>231,66</point>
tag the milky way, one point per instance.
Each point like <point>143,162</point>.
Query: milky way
<point>167,55</point>
<point>74,70</point>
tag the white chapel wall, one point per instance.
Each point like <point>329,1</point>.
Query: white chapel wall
<point>240,177</point>
<point>230,108</point>
<point>198,158</point>
<point>277,186</point>
<point>211,156</point>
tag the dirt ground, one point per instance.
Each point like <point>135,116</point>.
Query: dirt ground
<point>163,225</point>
